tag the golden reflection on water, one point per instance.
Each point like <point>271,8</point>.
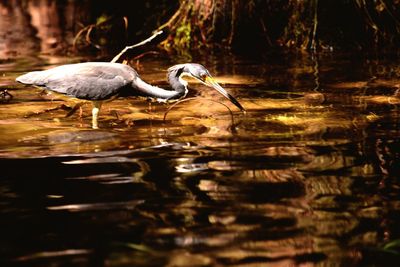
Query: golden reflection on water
<point>309,176</point>
<point>295,181</point>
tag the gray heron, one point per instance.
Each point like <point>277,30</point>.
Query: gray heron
<point>101,81</point>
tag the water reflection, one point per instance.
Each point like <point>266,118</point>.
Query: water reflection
<point>305,178</point>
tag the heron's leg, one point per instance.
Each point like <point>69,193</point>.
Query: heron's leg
<point>75,108</point>
<point>95,113</point>
<point>149,102</point>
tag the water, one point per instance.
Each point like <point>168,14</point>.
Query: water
<point>308,176</point>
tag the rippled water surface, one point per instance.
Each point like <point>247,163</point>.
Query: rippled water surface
<point>308,176</point>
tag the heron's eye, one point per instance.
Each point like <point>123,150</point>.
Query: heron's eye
<point>203,76</point>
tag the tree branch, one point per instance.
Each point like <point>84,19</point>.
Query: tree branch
<point>117,57</point>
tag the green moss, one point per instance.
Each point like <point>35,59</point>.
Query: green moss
<point>182,37</point>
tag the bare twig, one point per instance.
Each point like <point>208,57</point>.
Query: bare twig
<point>88,29</point>
<point>117,57</point>
<point>79,34</point>
<point>265,31</point>
<point>88,40</point>
<point>126,23</point>
<point>174,18</point>
<point>390,12</point>
<point>235,4</point>
<point>363,4</point>
<point>144,54</point>
<point>314,33</point>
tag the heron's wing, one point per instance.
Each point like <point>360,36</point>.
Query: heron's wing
<point>91,81</point>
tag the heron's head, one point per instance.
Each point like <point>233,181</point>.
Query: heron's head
<point>200,73</point>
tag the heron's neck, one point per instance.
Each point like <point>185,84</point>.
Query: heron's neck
<point>157,92</point>
<point>177,83</point>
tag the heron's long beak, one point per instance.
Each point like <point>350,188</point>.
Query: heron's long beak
<point>209,81</point>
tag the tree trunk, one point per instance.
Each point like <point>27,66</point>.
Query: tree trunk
<point>204,23</point>
<point>254,25</point>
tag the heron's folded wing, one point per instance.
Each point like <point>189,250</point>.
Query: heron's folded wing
<point>83,81</point>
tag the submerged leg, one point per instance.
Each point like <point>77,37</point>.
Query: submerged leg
<point>95,113</point>
<point>75,108</point>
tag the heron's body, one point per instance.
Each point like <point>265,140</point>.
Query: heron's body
<point>100,81</point>
<point>95,81</point>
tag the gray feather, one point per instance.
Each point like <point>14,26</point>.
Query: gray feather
<point>91,80</point>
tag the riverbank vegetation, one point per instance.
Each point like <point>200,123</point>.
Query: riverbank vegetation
<point>248,26</point>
